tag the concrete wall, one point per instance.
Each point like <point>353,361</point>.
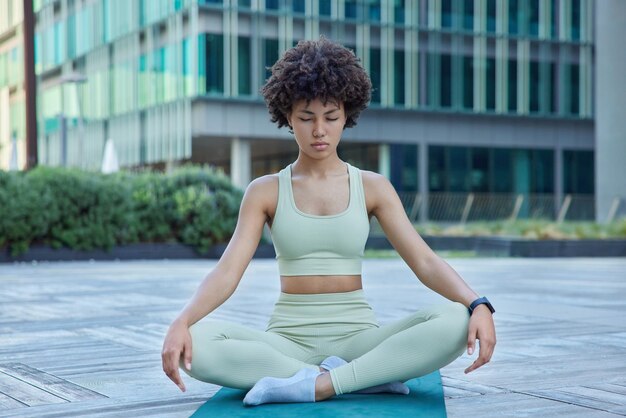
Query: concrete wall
<point>610,105</point>
<point>233,119</point>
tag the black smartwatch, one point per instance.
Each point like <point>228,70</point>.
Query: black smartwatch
<point>480,301</point>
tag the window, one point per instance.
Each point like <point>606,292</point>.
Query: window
<point>298,6</point>
<point>351,9</point>
<point>513,17</point>
<point>575,30</point>
<point>578,172</point>
<point>374,10</point>
<point>458,169</point>
<point>533,28</point>
<point>479,173</point>
<point>491,16</point>
<point>436,169</point>
<point>398,77</point>
<point>398,11</point>
<point>502,175</point>
<point>468,15</point>
<point>468,82</point>
<point>491,84</point>
<point>270,55</point>
<point>244,70</point>
<point>404,167</point>
<point>271,4</point>
<point>446,13</point>
<point>325,7</point>
<point>534,86</point>
<point>214,63</point>
<point>375,74</point>
<point>446,81</point>
<point>574,107</point>
<point>512,85</point>
<point>542,172</point>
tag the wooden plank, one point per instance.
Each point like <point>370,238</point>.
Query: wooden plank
<point>110,408</point>
<point>518,405</point>
<point>6,402</point>
<point>25,392</point>
<point>548,312</point>
<point>468,386</point>
<point>48,382</point>
<point>589,398</point>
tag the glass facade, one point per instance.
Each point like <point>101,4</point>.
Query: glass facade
<point>490,170</point>
<point>472,61</point>
<point>145,60</point>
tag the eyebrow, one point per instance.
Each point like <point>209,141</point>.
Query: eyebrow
<point>313,113</point>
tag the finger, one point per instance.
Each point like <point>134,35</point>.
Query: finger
<point>476,364</point>
<point>175,377</point>
<point>170,367</point>
<point>471,342</point>
<point>483,358</point>
<point>187,356</point>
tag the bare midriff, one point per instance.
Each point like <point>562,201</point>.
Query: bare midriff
<point>319,284</point>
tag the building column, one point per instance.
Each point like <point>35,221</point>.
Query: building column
<point>5,129</point>
<point>558,179</point>
<point>240,162</point>
<point>384,160</point>
<point>422,180</point>
<point>610,124</point>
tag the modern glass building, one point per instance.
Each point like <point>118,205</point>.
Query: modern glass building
<point>471,97</point>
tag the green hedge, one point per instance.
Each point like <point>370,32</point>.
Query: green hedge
<point>85,210</point>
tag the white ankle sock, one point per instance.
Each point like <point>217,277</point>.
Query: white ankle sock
<point>298,388</point>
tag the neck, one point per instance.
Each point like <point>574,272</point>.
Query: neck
<point>304,164</point>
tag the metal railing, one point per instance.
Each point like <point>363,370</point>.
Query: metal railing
<point>468,207</point>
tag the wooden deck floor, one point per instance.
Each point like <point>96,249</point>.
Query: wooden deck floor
<point>84,339</point>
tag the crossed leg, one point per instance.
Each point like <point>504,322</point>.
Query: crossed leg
<point>411,347</point>
<point>228,354</point>
<point>232,355</point>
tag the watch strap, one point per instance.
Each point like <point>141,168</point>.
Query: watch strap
<point>480,301</point>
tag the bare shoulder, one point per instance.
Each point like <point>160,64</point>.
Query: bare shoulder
<point>378,189</point>
<point>262,194</point>
<point>375,184</point>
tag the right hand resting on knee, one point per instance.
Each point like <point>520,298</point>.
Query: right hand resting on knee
<point>177,346</point>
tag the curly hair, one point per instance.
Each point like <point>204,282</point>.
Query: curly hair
<point>319,69</point>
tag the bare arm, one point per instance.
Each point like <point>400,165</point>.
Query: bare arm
<point>432,270</point>
<point>222,281</point>
<point>384,203</point>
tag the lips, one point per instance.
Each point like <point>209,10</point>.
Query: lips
<point>320,146</point>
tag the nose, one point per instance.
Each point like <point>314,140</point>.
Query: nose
<point>318,130</point>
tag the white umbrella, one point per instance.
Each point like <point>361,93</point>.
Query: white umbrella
<point>109,161</point>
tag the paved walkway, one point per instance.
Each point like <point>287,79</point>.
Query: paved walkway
<point>83,339</point>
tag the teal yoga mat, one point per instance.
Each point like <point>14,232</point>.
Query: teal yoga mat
<point>425,400</point>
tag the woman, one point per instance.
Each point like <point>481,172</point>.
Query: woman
<point>323,339</point>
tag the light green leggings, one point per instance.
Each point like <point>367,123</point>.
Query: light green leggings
<point>305,329</point>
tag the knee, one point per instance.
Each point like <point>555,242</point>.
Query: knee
<point>204,337</point>
<point>205,332</point>
<point>456,319</point>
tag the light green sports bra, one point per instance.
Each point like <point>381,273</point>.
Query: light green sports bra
<point>319,245</point>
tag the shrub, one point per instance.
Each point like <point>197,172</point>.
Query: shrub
<point>84,210</point>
